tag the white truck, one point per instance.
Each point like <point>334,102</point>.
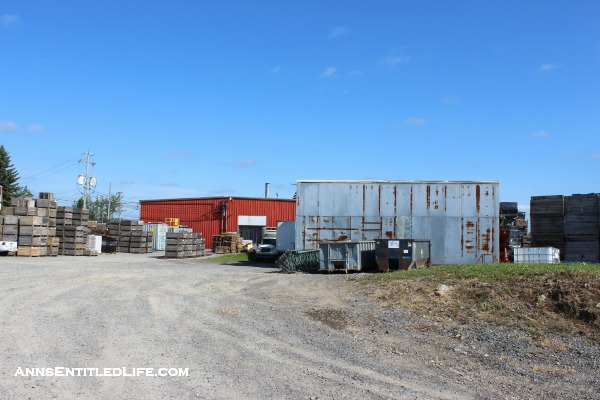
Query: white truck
<point>267,248</point>
<point>276,240</point>
<point>6,246</point>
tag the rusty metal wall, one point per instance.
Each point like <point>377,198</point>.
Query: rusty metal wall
<point>213,215</point>
<point>460,218</point>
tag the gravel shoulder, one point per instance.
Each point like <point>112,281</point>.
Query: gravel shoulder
<point>251,332</point>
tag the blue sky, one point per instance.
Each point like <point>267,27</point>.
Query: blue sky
<point>208,98</point>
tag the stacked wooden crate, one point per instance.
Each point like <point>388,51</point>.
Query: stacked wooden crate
<point>184,245</point>
<point>229,242</point>
<point>130,236</point>
<point>71,228</point>
<point>10,226</point>
<point>582,228</point>
<point>32,224</point>
<point>33,236</point>
<point>73,240</point>
<point>200,244</point>
<point>547,222</point>
<point>46,207</point>
<point>23,206</point>
<point>80,217</point>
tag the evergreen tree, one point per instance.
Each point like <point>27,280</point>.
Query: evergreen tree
<point>8,178</point>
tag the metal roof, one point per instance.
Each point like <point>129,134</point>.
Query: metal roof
<point>394,181</point>
<point>219,198</point>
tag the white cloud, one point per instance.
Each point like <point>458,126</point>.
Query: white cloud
<point>35,128</point>
<point>596,156</point>
<point>337,32</point>
<point>395,57</point>
<point>540,134</point>
<point>9,20</point>
<point>127,183</point>
<point>170,185</point>
<point>244,164</point>
<point>328,72</point>
<point>415,121</point>
<point>181,154</point>
<point>8,126</point>
<point>450,100</point>
<point>276,69</point>
<point>547,67</point>
<point>354,73</point>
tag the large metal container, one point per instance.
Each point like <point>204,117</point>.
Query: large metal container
<point>159,235</point>
<point>459,218</point>
<point>547,255</point>
<point>347,256</point>
<point>402,253</point>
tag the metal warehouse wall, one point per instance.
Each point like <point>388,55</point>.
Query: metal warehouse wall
<point>460,218</point>
<point>213,215</point>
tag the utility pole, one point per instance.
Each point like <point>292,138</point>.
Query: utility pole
<point>120,208</point>
<point>109,194</point>
<point>86,183</point>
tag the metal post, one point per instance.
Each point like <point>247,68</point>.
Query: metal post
<point>85,184</point>
<point>109,194</point>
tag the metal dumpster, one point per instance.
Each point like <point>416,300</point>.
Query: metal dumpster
<point>404,254</point>
<point>347,255</point>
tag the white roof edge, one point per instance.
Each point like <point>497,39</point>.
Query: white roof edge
<point>387,181</point>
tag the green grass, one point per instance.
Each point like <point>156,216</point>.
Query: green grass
<point>227,258</point>
<point>486,272</point>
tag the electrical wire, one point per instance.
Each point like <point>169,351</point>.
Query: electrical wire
<point>29,178</point>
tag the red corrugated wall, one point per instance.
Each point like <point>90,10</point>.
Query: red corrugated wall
<point>205,214</point>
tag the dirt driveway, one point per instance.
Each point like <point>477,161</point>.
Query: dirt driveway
<point>250,332</point>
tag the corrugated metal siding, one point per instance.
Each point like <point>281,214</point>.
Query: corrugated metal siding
<point>205,214</point>
<point>460,218</point>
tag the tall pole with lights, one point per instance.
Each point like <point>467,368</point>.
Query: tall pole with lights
<point>87,181</point>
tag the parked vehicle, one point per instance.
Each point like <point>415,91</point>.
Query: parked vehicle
<point>5,247</point>
<point>286,236</point>
<point>275,241</point>
<point>267,248</point>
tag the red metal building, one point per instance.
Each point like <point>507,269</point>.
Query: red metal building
<point>215,215</point>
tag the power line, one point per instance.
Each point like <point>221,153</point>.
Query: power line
<point>50,169</point>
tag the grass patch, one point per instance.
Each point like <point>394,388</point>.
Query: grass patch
<point>486,272</point>
<point>233,258</point>
<point>537,298</point>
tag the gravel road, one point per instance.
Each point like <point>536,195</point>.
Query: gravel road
<point>251,332</point>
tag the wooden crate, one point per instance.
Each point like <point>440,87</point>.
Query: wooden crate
<point>28,251</point>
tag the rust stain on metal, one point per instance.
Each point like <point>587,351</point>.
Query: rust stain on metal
<point>445,190</point>
<point>462,237</point>
<point>389,234</point>
<point>478,198</point>
<point>477,234</point>
<point>486,240</point>
<point>428,196</point>
<point>379,200</point>
<point>436,204</point>
<point>395,191</point>
<point>364,198</point>
<point>411,200</point>
<point>493,238</point>
<point>342,238</point>
<point>470,224</point>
